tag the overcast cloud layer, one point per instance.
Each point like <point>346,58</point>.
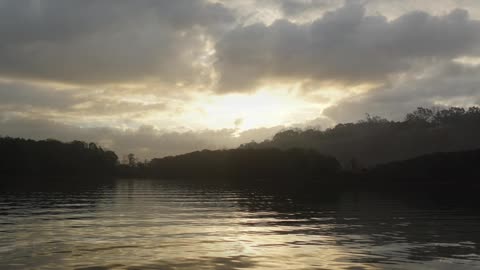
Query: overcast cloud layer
<point>344,46</point>
<point>112,41</point>
<point>141,75</point>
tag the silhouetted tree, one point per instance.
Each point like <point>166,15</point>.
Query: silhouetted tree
<point>132,161</point>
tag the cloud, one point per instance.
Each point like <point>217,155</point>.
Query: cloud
<point>22,96</point>
<point>81,106</point>
<point>153,63</point>
<point>345,46</point>
<point>447,84</point>
<point>298,7</point>
<point>174,42</point>
<point>111,41</point>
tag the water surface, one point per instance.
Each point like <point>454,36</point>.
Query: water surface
<point>142,224</point>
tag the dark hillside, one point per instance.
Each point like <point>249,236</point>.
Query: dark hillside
<point>376,140</point>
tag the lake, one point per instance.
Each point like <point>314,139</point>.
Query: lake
<point>151,224</point>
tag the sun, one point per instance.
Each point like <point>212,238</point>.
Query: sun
<point>264,108</point>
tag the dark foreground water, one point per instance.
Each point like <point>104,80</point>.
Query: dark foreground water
<point>141,224</point>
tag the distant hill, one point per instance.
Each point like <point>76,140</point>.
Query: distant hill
<point>52,158</point>
<point>433,146</point>
<point>455,167</point>
<point>298,166</point>
<point>246,164</point>
<point>376,140</point>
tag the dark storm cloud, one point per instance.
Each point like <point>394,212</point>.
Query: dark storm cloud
<point>344,46</point>
<point>95,41</point>
<point>448,84</point>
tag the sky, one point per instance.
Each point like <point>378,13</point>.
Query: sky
<point>159,78</point>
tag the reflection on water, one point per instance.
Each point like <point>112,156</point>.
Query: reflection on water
<point>141,224</point>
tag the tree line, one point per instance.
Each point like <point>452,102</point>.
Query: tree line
<point>54,158</point>
<point>376,140</point>
<point>246,164</point>
<point>368,149</point>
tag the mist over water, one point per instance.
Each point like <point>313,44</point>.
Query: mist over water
<point>143,224</point>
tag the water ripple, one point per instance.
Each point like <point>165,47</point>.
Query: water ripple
<point>140,224</point>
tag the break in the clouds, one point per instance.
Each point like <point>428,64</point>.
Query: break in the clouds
<point>165,77</point>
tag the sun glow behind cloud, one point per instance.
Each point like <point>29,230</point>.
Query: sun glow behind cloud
<point>264,108</point>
